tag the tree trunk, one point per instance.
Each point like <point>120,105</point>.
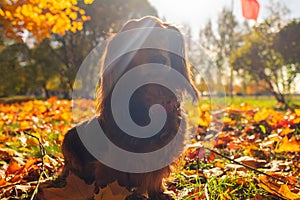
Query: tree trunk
<point>46,91</point>
<point>278,96</point>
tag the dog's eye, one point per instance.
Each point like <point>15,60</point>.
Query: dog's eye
<point>159,59</point>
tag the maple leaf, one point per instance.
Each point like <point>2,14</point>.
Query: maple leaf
<point>113,191</point>
<point>75,189</point>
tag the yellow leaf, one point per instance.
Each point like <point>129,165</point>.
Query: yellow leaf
<point>261,115</point>
<point>88,1</point>
<point>73,15</point>
<point>203,122</point>
<point>25,124</point>
<point>205,107</point>
<point>82,12</point>
<point>8,14</point>
<point>2,12</point>
<point>41,18</point>
<point>297,111</point>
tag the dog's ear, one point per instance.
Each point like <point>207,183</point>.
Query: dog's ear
<point>111,70</point>
<point>180,61</point>
<point>107,74</point>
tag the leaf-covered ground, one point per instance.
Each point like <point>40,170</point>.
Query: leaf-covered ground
<point>240,152</point>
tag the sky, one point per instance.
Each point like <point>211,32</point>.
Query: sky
<point>197,12</point>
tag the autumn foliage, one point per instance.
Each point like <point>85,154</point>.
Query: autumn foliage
<point>262,139</point>
<point>41,17</point>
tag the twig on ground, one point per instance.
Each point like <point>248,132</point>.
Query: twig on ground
<point>251,168</point>
<point>43,153</point>
<point>27,183</point>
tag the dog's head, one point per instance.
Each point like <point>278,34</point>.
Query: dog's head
<point>144,41</point>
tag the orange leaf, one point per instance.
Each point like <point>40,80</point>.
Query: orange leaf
<point>287,145</point>
<point>13,168</point>
<point>285,191</point>
<point>285,131</point>
<point>2,181</point>
<point>29,163</point>
<point>280,190</point>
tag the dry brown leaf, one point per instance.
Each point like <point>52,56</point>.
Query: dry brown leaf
<point>252,162</point>
<point>112,192</point>
<point>75,189</point>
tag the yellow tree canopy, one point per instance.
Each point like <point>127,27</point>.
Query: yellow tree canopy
<point>40,17</point>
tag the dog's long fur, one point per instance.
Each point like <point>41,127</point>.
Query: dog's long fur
<point>80,162</point>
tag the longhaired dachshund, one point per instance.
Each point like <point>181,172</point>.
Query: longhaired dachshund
<point>82,163</point>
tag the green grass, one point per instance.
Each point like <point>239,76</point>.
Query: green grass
<point>16,99</point>
<point>260,101</point>
<point>225,187</point>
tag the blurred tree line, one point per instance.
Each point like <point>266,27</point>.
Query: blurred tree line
<point>50,66</point>
<point>233,58</point>
<point>229,57</point>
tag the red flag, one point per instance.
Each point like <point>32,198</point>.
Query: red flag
<point>250,9</point>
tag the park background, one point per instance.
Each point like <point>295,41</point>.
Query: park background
<point>250,66</point>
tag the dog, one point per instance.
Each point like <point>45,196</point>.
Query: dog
<point>81,162</point>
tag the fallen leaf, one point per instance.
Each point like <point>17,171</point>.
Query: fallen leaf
<point>285,131</point>
<point>297,111</point>
<point>252,162</point>
<point>13,168</point>
<point>285,191</point>
<point>235,167</point>
<point>2,181</point>
<point>280,190</point>
<point>216,171</point>
<point>112,191</point>
<point>261,115</point>
<point>75,189</point>
<point>287,145</point>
